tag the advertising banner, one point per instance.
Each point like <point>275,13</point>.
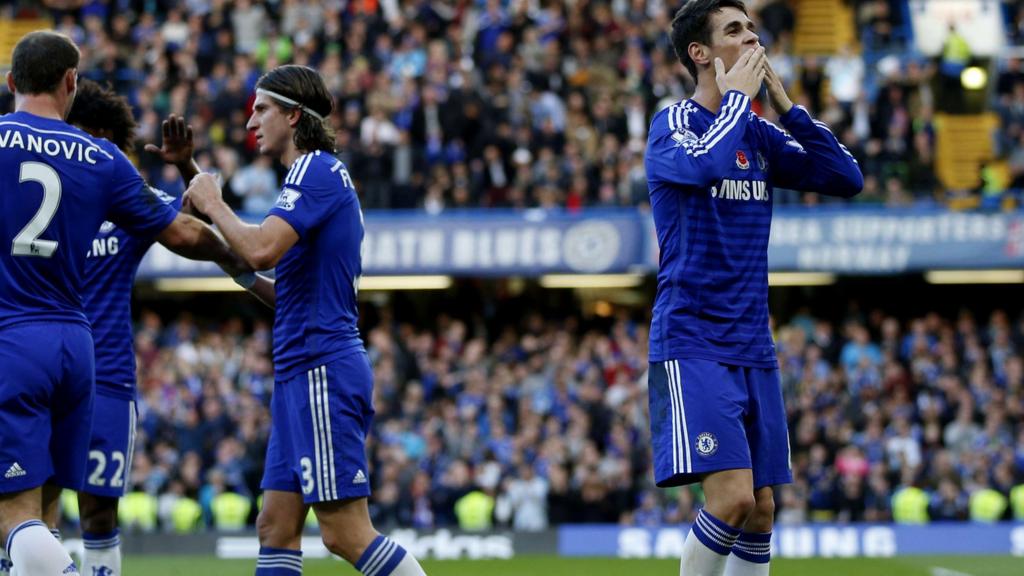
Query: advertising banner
<point>805,541</point>
<point>493,243</point>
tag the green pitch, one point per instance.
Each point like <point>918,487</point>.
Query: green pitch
<point>552,566</point>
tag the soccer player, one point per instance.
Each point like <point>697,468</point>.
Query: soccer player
<point>57,185</point>
<point>717,415</point>
<point>322,403</point>
<point>110,269</point>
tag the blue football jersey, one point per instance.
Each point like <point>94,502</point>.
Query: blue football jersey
<point>711,179</point>
<point>110,267</point>
<point>317,279</point>
<point>57,185</point>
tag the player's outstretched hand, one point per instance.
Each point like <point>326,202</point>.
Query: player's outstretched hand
<point>746,75</point>
<point>777,96</point>
<point>203,192</point>
<point>178,142</point>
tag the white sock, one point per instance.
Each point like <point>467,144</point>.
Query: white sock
<point>736,566</point>
<point>707,546</point>
<point>750,555</point>
<point>102,555</point>
<point>384,557</point>
<point>408,567</point>
<point>33,550</point>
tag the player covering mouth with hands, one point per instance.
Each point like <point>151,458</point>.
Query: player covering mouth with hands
<point>717,415</point>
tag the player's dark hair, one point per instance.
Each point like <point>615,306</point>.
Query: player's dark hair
<point>691,25</point>
<point>97,108</point>
<point>40,60</point>
<point>305,86</point>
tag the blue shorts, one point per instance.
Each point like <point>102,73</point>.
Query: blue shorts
<point>708,416</point>
<point>319,423</point>
<point>46,396</point>
<point>112,443</point>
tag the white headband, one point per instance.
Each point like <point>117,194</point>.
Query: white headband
<point>290,102</point>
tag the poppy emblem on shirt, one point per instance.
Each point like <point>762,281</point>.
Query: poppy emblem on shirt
<point>741,160</point>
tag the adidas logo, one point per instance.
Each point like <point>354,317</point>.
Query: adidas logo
<point>71,569</point>
<point>360,478</point>
<point>16,470</point>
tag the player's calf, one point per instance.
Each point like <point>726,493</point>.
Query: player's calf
<point>348,532</point>
<point>102,539</point>
<point>279,525</point>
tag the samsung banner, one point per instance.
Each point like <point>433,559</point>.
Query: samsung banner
<point>609,540</point>
<point>535,242</point>
<point>805,541</point>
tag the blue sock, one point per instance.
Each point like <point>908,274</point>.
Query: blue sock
<point>754,547</point>
<point>100,541</point>
<point>381,558</point>
<point>714,533</point>
<point>278,562</point>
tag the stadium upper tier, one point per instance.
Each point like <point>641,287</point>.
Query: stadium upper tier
<point>459,104</point>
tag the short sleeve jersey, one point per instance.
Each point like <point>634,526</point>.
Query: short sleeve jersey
<point>317,279</point>
<point>57,185</point>
<point>110,267</point>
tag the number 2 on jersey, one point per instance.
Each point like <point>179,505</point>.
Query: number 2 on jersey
<point>27,242</point>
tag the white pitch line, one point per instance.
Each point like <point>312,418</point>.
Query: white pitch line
<point>939,571</point>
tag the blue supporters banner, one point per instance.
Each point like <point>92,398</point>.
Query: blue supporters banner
<point>485,243</point>
<point>805,541</point>
<point>893,241</point>
<point>480,243</point>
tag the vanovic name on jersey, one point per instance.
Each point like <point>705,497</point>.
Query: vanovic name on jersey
<point>73,150</point>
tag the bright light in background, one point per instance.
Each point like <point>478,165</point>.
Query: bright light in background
<point>973,78</point>
<point>366,284</point>
<point>800,279</point>
<point>974,276</point>
<point>217,284</point>
<point>404,283</point>
<point>591,280</point>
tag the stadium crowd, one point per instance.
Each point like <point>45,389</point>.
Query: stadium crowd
<point>458,103</point>
<point>544,421</point>
<point>504,103</point>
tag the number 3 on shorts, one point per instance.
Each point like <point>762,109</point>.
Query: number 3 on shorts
<point>307,475</point>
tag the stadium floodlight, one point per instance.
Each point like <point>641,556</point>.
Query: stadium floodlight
<point>191,284</point>
<point>801,278</point>
<point>370,283</point>
<point>973,78</point>
<point>974,276</point>
<point>591,281</point>
<point>366,283</point>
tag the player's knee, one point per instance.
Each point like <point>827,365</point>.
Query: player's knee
<point>341,544</point>
<point>274,533</point>
<point>741,506</point>
<point>763,515</point>
<point>765,507</point>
